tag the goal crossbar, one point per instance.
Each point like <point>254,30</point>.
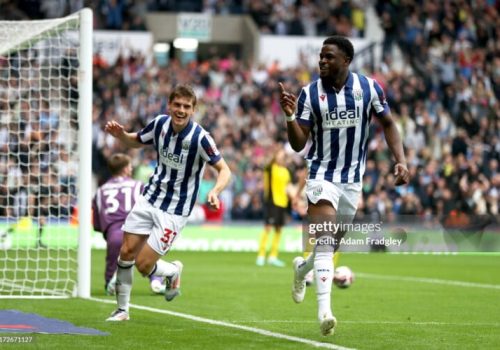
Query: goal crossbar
<point>37,30</point>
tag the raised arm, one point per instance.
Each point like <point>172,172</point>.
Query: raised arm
<point>396,146</point>
<point>223,177</point>
<point>116,130</point>
<point>297,134</point>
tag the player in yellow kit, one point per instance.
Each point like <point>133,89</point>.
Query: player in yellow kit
<point>277,181</point>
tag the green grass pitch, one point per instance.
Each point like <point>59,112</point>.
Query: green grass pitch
<point>379,311</point>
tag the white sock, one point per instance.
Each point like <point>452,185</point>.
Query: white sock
<point>163,269</point>
<point>308,266</point>
<point>124,274</point>
<point>323,273</point>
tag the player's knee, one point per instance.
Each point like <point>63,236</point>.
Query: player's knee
<point>126,253</point>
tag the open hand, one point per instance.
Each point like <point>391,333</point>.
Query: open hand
<point>114,128</point>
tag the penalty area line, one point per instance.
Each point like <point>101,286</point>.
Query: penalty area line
<point>428,280</point>
<point>259,331</point>
<point>374,322</point>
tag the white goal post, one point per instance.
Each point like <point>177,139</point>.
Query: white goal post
<point>45,157</point>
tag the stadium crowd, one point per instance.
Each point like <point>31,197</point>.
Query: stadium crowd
<point>445,101</point>
<point>38,126</point>
<point>282,17</point>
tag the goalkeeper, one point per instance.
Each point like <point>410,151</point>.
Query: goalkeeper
<point>111,205</point>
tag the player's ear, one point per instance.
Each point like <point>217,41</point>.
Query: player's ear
<point>347,59</point>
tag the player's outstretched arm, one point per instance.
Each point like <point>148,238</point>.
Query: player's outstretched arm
<point>297,135</point>
<point>223,177</point>
<point>396,146</point>
<point>116,130</point>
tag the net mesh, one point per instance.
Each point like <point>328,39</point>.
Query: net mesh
<point>38,156</point>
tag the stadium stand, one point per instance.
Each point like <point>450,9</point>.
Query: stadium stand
<point>445,99</point>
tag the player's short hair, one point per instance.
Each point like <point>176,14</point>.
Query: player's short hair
<point>183,91</point>
<point>343,44</point>
<point>117,162</point>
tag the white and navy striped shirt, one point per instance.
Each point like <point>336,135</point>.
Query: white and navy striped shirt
<point>339,124</point>
<point>174,185</point>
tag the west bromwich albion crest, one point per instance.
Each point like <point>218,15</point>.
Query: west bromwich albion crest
<point>357,94</point>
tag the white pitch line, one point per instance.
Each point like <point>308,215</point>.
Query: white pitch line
<point>409,323</point>
<point>429,323</point>
<point>428,280</point>
<point>231,325</point>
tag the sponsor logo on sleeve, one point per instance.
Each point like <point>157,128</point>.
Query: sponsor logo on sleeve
<point>210,151</point>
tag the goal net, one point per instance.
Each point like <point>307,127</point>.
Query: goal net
<point>45,170</point>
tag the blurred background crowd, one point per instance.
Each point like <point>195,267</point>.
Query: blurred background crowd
<point>283,17</point>
<point>444,97</point>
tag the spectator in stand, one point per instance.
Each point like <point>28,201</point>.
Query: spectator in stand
<point>444,101</point>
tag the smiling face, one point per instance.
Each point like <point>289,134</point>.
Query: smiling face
<point>181,110</point>
<point>332,62</point>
